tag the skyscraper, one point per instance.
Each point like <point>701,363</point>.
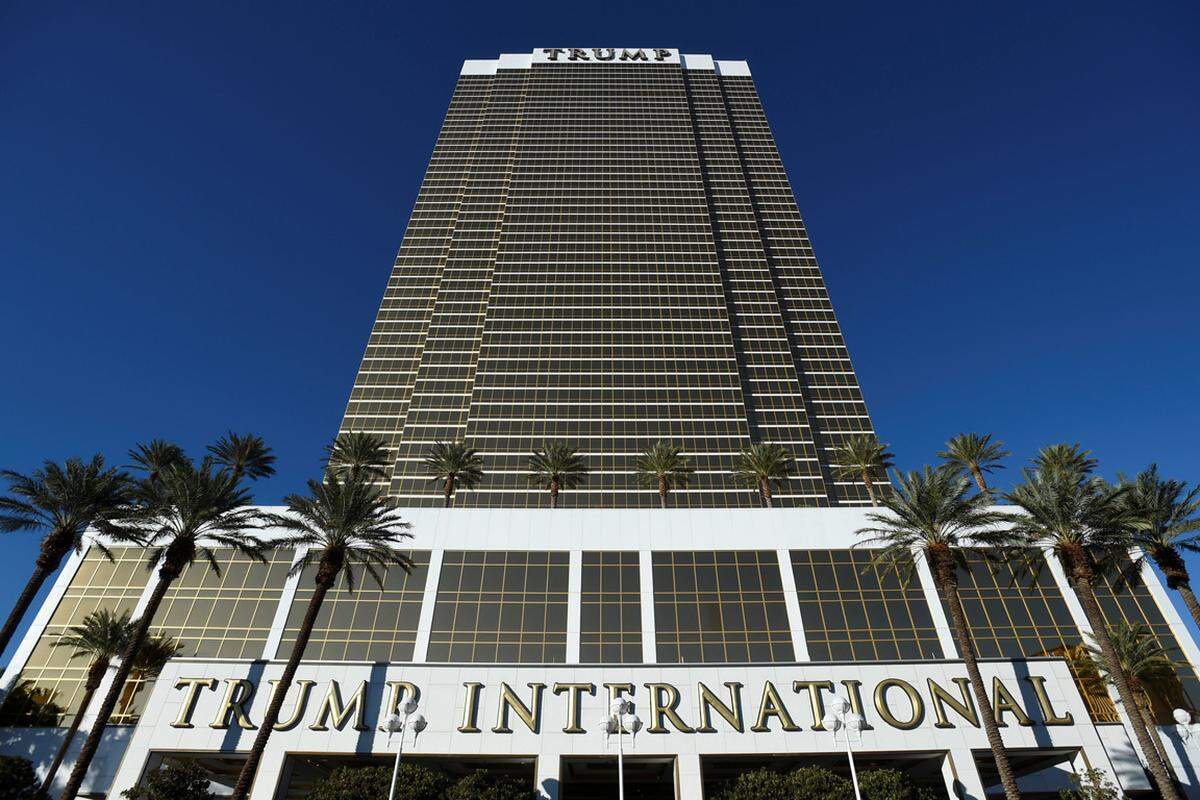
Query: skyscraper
<point>606,251</point>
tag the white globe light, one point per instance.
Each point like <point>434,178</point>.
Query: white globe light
<point>1182,716</point>
<point>831,723</point>
<point>839,705</point>
<point>410,706</point>
<point>635,723</point>
<point>855,722</point>
<point>419,723</point>
<point>393,724</point>
<point>621,706</point>
<point>610,725</point>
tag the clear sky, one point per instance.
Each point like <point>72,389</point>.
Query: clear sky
<point>200,202</point>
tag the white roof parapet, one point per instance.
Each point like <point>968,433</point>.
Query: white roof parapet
<point>697,61</point>
<point>479,66</point>
<point>516,60</point>
<point>740,68</point>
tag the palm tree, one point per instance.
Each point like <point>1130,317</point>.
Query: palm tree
<point>102,637</point>
<point>62,501</point>
<point>247,456</point>
<point>454,464</point>
<point>156,456</point>
<point>340,526</point>
<point>151,657</point>
<point>1166,521</point>
<point>933,512</point>
<point>555,467</point>
<point>1145,663</point>
<point>861,457</point>
<point>176,513</point>
<point>354,454</point>
<point>1069,458</point>
<point>1086,523</point>
<point>664,467</point>
<point>975,454</point>
<point>760,465</point>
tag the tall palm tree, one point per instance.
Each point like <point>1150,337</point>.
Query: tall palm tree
<point>556,466</point>
<point>761,465</point>
<point>976,454</point>
<point>456,465</point>
<point>61,501</point>
<point>1086,523</point>
<point>156,456</point>
<point>343,527</point>
<point>1145,663</point>
<point>102,637</point>
<point>354,454</point>
<point>1166,523</point>
<point>244,455</point>
<point>664,467</point>
<point>863,458</point>
<point>1068,458</point>
<point>934,512</point>
<point>178,514</point>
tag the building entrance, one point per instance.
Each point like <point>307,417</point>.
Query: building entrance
<point>646,778</point>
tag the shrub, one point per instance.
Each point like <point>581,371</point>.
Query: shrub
<point>482,785</point>
<point>17,778</point>
<point>185,780</point>
<point>1091,785</point>
<point>415,782</point>
<point>806,783</point>
<point>818,783</point>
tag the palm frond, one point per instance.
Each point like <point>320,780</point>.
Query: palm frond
<point>861,455</point>
<point>354,454</point>
<point>759,462</point>
<point>557,462</point>
<point>244,455</point>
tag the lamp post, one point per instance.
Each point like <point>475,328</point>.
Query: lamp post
<point>620,715</point>
<point>839,717</point>
<point>398,724</point>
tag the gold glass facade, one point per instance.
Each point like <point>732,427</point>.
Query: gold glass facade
<point>610,619</point>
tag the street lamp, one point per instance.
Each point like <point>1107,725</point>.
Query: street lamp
<point>838,717</point>
<point>621,715</point>
<point>397,724</point>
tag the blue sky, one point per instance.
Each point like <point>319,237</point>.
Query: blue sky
<point>201,202</point>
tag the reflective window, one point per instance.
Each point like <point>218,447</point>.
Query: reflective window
<point>724,606</point>
<point>611,610</point>
<point>366,623</point>
<point>855,611</point>
<point>501,606</point>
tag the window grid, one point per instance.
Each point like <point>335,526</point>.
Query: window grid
<point>611,608</point>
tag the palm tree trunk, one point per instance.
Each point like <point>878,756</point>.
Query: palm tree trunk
<point>662,491</point>
<point>947,578</point>
<point>764,488</point>
<point>1082,579</point>
<point>554,494</point>
<point>21,607</point>
<point>979,481</point>
<point>95,676</point>
<point>866,476</point>
<point>448,491</point>
<point>1176,572</point>
<point>1148,720</point>
<point>246,778</point>
<point>90,745</point>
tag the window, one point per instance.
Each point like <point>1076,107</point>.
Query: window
<point>611,609</point>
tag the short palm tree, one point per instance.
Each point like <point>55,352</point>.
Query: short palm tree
<point>761,465</point>
<point>1166,524</point>
<point>1086,523</point>
<point>342,527</point>
<point>934,513</point>
<point>1145,663</point>
<point>455,465</point>
<point>555,467</point>
<point>62,501</point>
<point>244,455</point>
<point>664,467</point>
<point>352,455</point>
<point>177,512</point>
<point>863,458</point>
<point>975,454</point>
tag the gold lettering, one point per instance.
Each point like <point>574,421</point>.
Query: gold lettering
<point>574,698</point>
<point>634,55</point>
<point>815,701</point>
<point>301,703</point>
<point>615,692</point>
<point>771,705</point>
<point>659,709</point>
<point>598,52</point>
<point>553,52</point>
<point>731,713</point>
<point>854,695</point>
<point>400,691</point>
<point>1043,699</point>
<point>578,54</point>
<point>660,54</point>
<point>1002,700</point>
<point>965,707</point>
<point>530,714</point>
<point>333,708</point>
<point>470,708</point>
<point>194,685</point>
<point>236,696</point>
<point>881,705</point>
